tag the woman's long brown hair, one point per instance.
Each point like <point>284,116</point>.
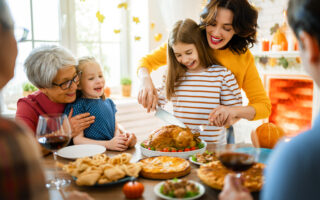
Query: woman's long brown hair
<point>244,22</point>
<point>185,31</point>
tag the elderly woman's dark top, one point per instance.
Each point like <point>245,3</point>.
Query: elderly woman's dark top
<point>29,108</point>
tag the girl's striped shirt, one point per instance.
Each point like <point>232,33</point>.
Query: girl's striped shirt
<point>198,94</point>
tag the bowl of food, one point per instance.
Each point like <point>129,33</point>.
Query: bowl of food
<point>102,170</point>
<point>173,141</point>
<point>179,189</point>
<point>203,158</point>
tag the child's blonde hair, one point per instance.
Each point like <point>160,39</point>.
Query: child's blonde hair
<point>81,62</point>
<point>185,31</point>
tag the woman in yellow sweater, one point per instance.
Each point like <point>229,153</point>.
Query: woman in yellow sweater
<point>229,26</point>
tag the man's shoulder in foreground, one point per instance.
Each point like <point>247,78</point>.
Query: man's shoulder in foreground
<point>293,169</point>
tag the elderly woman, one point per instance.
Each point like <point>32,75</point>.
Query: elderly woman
<point>21,175</point>
<point>52,70</point>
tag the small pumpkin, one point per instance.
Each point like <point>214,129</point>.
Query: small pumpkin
<point>133,189</point>
<point>107,91</point>
<point>266,135</point>
<point>280,42</point>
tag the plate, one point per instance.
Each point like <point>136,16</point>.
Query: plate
<point>185,155</point>
<point>194,162</point>
<point>159,194</point>
<point>121,180</point>
<point>80,151</point>
<point>263,156</point>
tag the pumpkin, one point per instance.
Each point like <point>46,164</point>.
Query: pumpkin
<point>279,41</point>
<point>266,135</point>
<point>107,91</point>
<point>133,189</point>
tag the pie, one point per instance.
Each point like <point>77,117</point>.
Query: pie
<point>164,167</point>
<point>214,172</point>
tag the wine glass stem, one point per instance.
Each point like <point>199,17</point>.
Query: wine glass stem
<point>55,166</point>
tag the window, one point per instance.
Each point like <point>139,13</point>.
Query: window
<point>74,25</point>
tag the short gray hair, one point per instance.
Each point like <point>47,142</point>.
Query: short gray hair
<point>43,63</point>
<point>5,16</point>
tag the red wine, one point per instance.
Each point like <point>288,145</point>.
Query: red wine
<point>236,161</point>
<point>54,142</point>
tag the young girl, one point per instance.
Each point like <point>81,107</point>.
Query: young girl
<point>194,84</point>
<point>105,130</point>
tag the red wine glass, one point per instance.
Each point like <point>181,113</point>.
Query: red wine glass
<point>237,157</point>
<point>54,133</point>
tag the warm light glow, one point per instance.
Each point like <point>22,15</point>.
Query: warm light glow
<point>292,101</point>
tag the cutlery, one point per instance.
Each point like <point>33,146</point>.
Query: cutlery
<point>168,117</point>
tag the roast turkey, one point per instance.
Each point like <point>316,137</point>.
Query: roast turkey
<point>173,136</point>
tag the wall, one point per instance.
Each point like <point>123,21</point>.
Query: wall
<point>270,12</point>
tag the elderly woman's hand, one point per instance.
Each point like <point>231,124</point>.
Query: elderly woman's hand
<point>233,189</point>
<point>80,122</point>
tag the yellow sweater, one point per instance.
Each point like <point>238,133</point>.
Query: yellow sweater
<point>242,66</point>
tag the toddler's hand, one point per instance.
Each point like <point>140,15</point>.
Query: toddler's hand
<point>132,139</point>
<point>118,143</point>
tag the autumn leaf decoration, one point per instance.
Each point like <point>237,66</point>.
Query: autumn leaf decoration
<point>136,20</point>
<point>157,37</point>
<point>274,29</point>
<point>137,38</point>
<point>116,31</point>
<point>123,5</point>
<point>100,17</point>
<point>152,25</point>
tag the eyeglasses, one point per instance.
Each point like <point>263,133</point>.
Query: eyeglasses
<point>67,84</point>
<point>21,34</point>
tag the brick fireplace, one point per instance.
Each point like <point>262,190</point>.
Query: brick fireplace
<point>292,101</point>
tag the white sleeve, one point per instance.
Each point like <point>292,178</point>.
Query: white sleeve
<point>162,93</point>
<point>230,91</point>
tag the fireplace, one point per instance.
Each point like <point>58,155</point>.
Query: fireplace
<point>292,101</point>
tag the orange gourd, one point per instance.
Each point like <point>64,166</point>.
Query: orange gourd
<point>267,135</point>
<point>107,91</point>
<point>133,189</point>
<point>279,39</point>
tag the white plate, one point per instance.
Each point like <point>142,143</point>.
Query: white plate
<point>185,155</point>
<point>194,162</point>
<point>80,151</point>
<point>159,194</point>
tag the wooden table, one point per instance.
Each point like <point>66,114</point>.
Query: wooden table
<point>115,192</point>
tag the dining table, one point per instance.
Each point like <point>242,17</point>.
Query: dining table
<point>114,192</point>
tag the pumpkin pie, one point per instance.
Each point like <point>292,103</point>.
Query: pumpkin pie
<point>164,167</point>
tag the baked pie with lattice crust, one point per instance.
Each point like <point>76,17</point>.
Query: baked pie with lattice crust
<point>213,175</point>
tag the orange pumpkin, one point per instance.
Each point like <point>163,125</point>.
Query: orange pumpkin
<point>107,91</point>
<point>279,39</point>
<point>267,135</point>
<point>133,189</point>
